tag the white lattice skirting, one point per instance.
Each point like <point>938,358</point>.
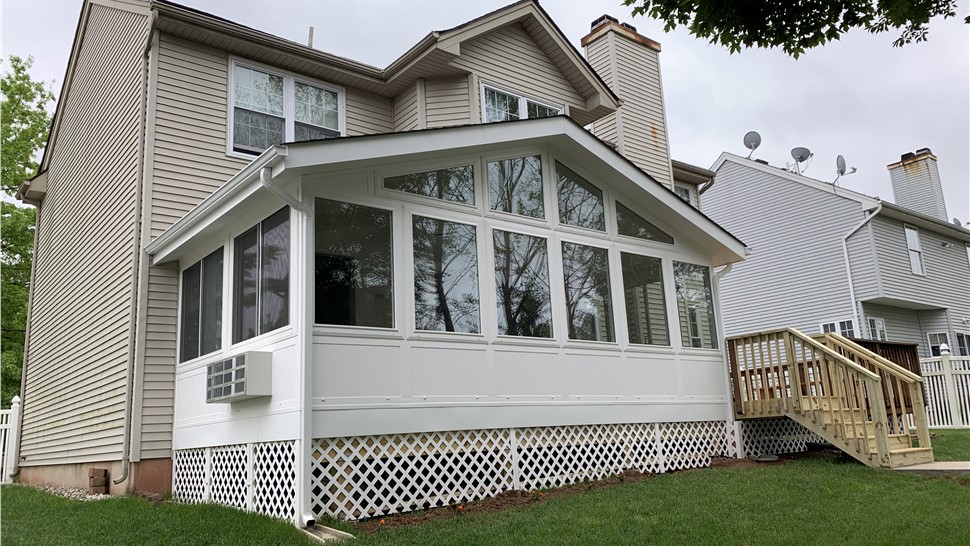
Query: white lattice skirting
<point>774,436</point>
<point>366,476</point>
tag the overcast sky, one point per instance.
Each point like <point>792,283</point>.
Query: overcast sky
<point>859,97</point>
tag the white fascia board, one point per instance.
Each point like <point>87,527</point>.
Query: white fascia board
<point>241,185</point>
<point>890,210</point>
<point>866,201</point>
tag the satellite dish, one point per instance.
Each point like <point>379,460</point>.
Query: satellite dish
<point>800,154</point>
<point>751,141</point>
<point>840,165</point>
<point>956,221</point>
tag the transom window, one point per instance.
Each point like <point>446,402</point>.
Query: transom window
<point>515,186</point>
<point>455,184</point>
<point>272,107</point>
<point>503,106</point>
<point>632,224</point>
<point>915,252</point>
<point>201,328</point>
<point>695,304</point>
<point>261,277</point>
<point>580,203</point>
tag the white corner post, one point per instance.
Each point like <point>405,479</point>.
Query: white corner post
<point>950,380</point>
<point>12,451</point>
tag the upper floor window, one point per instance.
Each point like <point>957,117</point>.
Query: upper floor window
<point>877,329</point>
<point>261,277</point>
<point>272,107</point>
<point>844,328</point>
<point>915,252</point>
<point>684,193</point>
<point>201,328</point>
<point>502,106</point>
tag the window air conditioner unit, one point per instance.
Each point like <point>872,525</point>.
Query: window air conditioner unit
<point>242,377</point>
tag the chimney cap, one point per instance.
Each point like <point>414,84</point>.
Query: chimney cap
<point>907,155</point>
<point>603,19</point>
<point>922,151</point>
<point>629,26</point>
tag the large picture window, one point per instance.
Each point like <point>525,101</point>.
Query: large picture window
<point>695,305</point>
<point>269,108</point>
<point>580,203</point>
<point>354,265</point>
<point>522,285</point>
<point>201,329</point>
<point>515,186</point>
<point>261,277</point>
<point>445,276</point>
<point>643,292</point>
<point>589,309</point>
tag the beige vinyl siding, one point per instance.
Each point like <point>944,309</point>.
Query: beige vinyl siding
<point>505,56</point>
<point>447,102</point>
<point>81,298</point>
<point>795,275</point>
<point>946,283</point>
<point>368,114</point>
<point>406,109</point>
<point>598,55</point>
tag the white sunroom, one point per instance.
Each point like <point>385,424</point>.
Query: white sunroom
<point>377,324</point>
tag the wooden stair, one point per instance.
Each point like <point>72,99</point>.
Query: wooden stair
<point>855,399</point>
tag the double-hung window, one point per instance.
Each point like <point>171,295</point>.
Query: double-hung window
<point>201,329</point>
<point>877,329</point>
<point>963,344</point>
<point>270,107</point>
<point>915,252</point>
<point>503,106</point>
<point>936,341</point>
<point>261,277</point>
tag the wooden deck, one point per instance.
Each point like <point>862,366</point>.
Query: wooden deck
<point>857,400</point>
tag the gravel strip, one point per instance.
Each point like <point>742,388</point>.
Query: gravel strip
<point>75,493</point>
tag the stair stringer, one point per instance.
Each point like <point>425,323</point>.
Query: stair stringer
<point>812,420</point>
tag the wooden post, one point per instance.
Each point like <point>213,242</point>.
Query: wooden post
<point>919,414</point>
<point>877,407</point>
<point>794,374</point>
<point>950,383</point>
<point>735,376</point>
<point>11,458</point>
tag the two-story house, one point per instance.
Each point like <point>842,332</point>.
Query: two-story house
<point>282,280</point>
<point>828,259</point>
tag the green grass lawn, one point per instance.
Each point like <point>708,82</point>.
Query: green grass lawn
<point>817,501</point>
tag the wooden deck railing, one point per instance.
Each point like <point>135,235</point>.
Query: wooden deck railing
<point>854,393</point>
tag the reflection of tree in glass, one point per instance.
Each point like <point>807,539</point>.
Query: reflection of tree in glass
<point>588,306</point>
<point>354,270</point>
<point>456,184</point>
<point>580,203</point>
<point>445,276</point>
<point>633,225</point>
<point>522,285</point>
<point>515,185</point>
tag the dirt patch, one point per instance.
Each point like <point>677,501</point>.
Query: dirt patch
<point>512,499</point>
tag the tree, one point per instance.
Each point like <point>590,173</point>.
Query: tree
<point>794,25</point>
<point>24,124</point>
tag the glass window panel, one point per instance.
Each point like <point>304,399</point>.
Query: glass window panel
<point>695,305</point>
<point>245,285</point>
<point>522,285</point>
<point>536,110</point>
<point>354,269</point>
<point>500,106</point>
<point>310,132</point>
<point>683,193</point>
<point>274,271</point>
<point>632,224</point>
<point>455,184</point>
<point>255,132</point>
<point>912,238</point>
<point>515,186</point>
<point>589,308</point>
<point>315,106</point>
<point>643,293</point>
<point>191,295</point>
<point>580,203</point>
<point>445,276</point>
<point>916,262</point>
<point>211,303</point>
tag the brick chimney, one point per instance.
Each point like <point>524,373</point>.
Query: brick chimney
<point>916,183</point>
<point>630,64</point>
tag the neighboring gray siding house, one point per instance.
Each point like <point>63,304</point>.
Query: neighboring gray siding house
<point>825,258</point>
<point>181,155</point>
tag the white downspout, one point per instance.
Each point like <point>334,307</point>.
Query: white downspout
<point>304,511</point>
<point>719,322</point>
<point>848,268</point>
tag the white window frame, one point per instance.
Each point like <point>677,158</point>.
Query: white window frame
<point>916,248</point>
<point>837,327</point>
<point>691,193</point>
<point>963,344</point>
<point>877,329</point>
<point>930,344</point>
<point>289,101</point>
<point>523,100</point>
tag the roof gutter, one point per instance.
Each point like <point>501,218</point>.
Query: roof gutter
<point>848,267</point>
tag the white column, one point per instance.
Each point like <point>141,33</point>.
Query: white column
<point>13,442</point>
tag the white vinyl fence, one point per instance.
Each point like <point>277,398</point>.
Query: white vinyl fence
<point>947,382</point>
<point>8,439</point>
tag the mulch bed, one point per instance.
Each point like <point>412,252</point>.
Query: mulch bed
<point>512,499</point>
